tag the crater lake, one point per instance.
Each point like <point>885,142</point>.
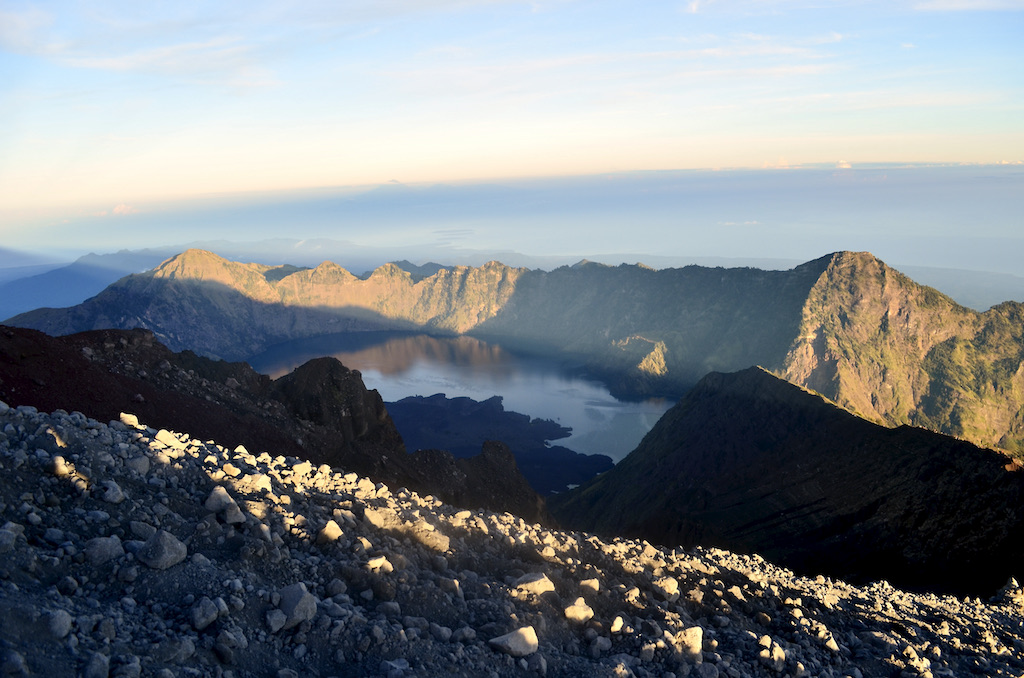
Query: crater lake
<point>399,365</point>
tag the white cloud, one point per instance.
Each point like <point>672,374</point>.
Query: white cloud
<point>22,32</point>
<point>220,59</point>
<point>123,210</point>
<point>969,5</point>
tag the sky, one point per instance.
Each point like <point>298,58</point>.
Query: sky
<point>126,120</point>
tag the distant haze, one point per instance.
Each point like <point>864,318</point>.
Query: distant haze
<point>966,217</point>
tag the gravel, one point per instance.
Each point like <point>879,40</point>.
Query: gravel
<point>221,562</point>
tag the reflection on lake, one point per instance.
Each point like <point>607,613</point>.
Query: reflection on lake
<point>400,365</point>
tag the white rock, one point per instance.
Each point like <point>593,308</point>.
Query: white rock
<point>690,642</point>
<point>667,588</point>
<point>518,643</point>
<point>379,564</point>
<point>534,583</point>
<point>168,439</point>
<point>60,467</point>
<point>130,420</point>
<point>329,533</point>
<point>579,611</point>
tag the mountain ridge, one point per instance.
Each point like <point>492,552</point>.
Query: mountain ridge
<point>845,324</point>
<point>321,412</point>
<point>748,461</point>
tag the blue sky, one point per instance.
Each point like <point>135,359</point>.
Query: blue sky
<point>113,110</point>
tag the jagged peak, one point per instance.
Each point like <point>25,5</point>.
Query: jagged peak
<point>851,266</point>
<point>191,257</point>
<point>852,256</point>
<point>198,263</point>
<point>329,266</point>
<point>389,270</point>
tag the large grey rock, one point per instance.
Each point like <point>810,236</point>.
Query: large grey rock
<point>101,550</point>
<point>8,540</point>
<point>297,604</point>
<point>112,493</point>
<point>204,613</point>
<point>218,500</point>
<point>162,550</point>
<point>59,623</point>
<point>98,666</point>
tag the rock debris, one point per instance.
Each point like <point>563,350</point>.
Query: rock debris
<point>128,551</point>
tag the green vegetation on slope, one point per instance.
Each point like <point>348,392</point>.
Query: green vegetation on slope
<point>897,352</point>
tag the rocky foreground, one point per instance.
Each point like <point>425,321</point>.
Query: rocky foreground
<point>128,551</point>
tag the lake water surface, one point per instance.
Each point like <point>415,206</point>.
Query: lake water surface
<point>400,365</point>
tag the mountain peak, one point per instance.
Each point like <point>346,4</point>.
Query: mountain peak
<point>192,257</point>
<point>390,271</point>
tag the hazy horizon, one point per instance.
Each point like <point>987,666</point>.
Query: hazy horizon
<point>552,128</point>
<point>963,217</point>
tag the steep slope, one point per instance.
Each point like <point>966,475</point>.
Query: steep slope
<point>321,412</point>
<point>133,552</point>
<point>747,461</point>
<point>896,352</point>
<point>658,331</point>
<point>226,309</point>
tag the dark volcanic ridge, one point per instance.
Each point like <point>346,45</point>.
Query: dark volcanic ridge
<point>751,463</point>
<point>321,411</point>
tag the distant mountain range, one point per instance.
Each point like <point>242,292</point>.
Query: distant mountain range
<point>29,281</point>
<point>845,325</point>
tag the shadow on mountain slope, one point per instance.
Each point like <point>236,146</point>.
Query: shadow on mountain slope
<point>751,463</point>
<point>321,412</point>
